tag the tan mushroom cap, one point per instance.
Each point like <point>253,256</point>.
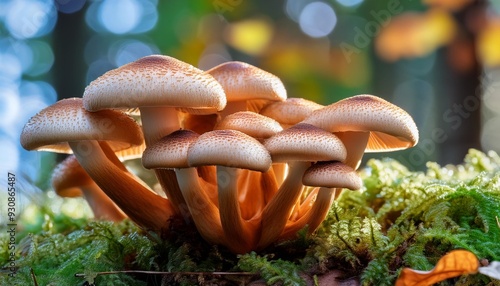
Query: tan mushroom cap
<point>68,177</point>
<point>332,175</point>
<point>305,142</point>
<point>170,151</point>
<point>229,148</point>
<point>67,120</point>
<point>291,111</point>
<point>391,128</point>
<point>155,80</point>
<point>242,81</point>
<point>250,123</point>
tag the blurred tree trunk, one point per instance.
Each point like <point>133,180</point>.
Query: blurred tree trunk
<point>69,39</point>
<point>461,76</point>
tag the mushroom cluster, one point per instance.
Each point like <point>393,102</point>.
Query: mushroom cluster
<point>233,155</point>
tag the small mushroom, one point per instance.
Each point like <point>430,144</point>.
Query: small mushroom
<point>70,180</point>
<point>288,113</point>
<point>94,137</point>
<point>330,176</point>
<point>253,124</point>
<point>231,151</point>
<point>291,111</point>
<point>252,198</point>
<point>171,152</point>
<point>299,146</point>
<point>366,123</point>
<point>247,87</point>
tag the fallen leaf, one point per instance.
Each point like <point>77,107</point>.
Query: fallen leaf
<point>492,270</point>
<point>453,264</point>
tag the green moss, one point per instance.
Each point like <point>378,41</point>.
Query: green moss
<point>399,219</point>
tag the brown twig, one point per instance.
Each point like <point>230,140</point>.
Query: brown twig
<point>167,273</point>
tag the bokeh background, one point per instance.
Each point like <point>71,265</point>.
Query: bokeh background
<point>437,59</point>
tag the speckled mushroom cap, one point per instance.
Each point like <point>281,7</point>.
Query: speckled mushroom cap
<point>67,120</point>
<point>291,111</point>
<point>391,128</point>
<point>305,142</point>
<point>251,123</point>
<point>68,177</point>
<point>170,151</point>
<point>332,175</point>
<point>229,148</point>
<point>245,82</point>
<point>155,80</point>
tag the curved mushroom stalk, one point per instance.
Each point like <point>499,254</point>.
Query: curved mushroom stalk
<point>204,213</point>
<point>156,123</point>
<point>330,177</point>
<point>243,233</point>
<point>255,191</point>
<point>275,215</point>
<point>280,172</point>
<point>313,217</point>
<point>147,209</point>
<point>69,179</point>
<point>355,143</point>
<point>100,204</point>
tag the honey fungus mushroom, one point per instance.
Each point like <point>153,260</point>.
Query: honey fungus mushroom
<point>93,137</point>
<point>215,139</point>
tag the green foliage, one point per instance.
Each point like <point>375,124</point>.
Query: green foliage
<point>399,219</point>
<point>411,219</point>
<point>273,271</point>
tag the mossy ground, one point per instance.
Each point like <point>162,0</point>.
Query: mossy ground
<point>399,219</point>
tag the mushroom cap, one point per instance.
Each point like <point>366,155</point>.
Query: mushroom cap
<point>68,177</point>
<point>155,80</point>
<point>229,148</point>
<point>242,81</point>
<point>305,142</point>
<point>66,120</point>
<point>332,175</point>
<point>250,123</point>
<point>291,111</point>
<point>170,151</point>
<point>391,128</point>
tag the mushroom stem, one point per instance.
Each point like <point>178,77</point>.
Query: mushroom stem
<point>303,205</point>
<point>156,123</point>
<point>275,215</point>
<point>239,232</point>
<point>255,190</point>
<point>280,171</point>
<point>144,207</point>
<point>204,213</point>
<point>314,216</point>
<point>102,206</point>
<point>209,175</point>
<point>355,144</point>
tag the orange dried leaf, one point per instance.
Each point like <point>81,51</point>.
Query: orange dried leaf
<point>453,264</point>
